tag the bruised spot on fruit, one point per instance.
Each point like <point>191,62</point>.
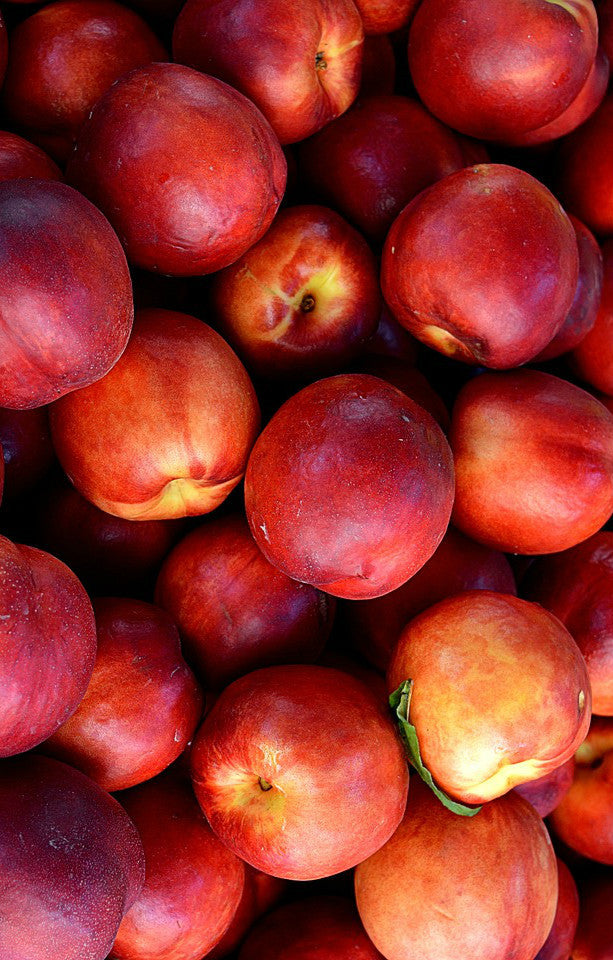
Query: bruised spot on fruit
<point>264,784</point>
<point>320,61</point>
<point>307,304</point>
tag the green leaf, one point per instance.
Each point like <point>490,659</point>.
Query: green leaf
<point>400,702</point>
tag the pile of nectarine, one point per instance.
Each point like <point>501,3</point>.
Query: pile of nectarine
<point>306,480</point>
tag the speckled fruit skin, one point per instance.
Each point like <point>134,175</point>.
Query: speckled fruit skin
<point>48,637</point>
<point>20,158</point>
<point>447,886</point>
<point>27,449</point>
<point>546,792</point>
<point>142,705</point>
<point>477,67</point>
<point>193,884</point>
<point>483,727</point>
<point>112,556</point>
<point>319,928</point>
<point>581,317</point>
<point>63,58</point>
<point>234,610</point>
<point>301,74</point>
<point>350,487</point>
<point>73,862</point>
<point>582,107</point>
<point>274,791</point>
<point>187,169</point>
<point>534,462</point>
<point>458,564</point>
<point>592,359</point>
<point>559,943</point>
<point>304,299</point>
<point>594,939</point>
<point>482,266</point>
<point>584,818</point>
<point>146,444</point>
<point>66,299</point>
<point>577,586</point>
<point>372,161</point>
<point>584,171</point>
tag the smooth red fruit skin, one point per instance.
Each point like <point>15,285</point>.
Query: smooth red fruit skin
<point>48,645</point>
<point>584,170</point>
<point>594,938</point>
<point>179,444</point>
<point>301,74</point>
<point>274,791</point>
<point>142,705</point>
<point>559,943</point>
<point>534,462</point>
<point>20,158</point>
<point>193,884</point>
<point>260,893</point>
<point>378,66</point>
<point>349,487</point>
<point>374,159</point>
<point>546,792</point>
<point>410,381</point>
<point>577,586</point>
<point>188,171</point>
<point>66,298</point>
<point>63,58</point>
<point>319,928</point>
<point>581,317</point>
<point>592,359</point>
<point>303,300</point>
<point>582,107</point>
<point>234,610</point>
<point>458,564</point>
<point>496,302</point>
<point>27,449</point>
<point>469,709</point>
<point>447,886</point>
<point>583,819</point>
<point>477,67</point>
<point>72,862</point>
<point>392,340</point>
<point>385,16</point>
<point>112,556</point>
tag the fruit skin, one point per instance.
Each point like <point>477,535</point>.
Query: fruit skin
<point>581,317</point>
<point>27,448</point>
<point>369,163</point>
<point>289,933</point>
<point>260,894</point>
<point>110,555</point>
<point>576,586</point>
<point>378,66</point>
<point>74,862</point>
<point>584,171</point>
<point>446,886</point>
<point>594,939</point>
<point>303,300</point>
<point>179,445</point>
<point>63,58</point>
<point>534,462</point>
<point>584,818</point>
<point>20,158</point>
<point>234,610</point>
<point>476,66</point>
<point>496,303</point>
<point>458,564</point>
<point>193,884</point>
<point>546,792</point>
<point>66,298</point>
<point>272,789</point>
<point>142,705</point>
<point>482,727</point>
<point>48,645</point>
<point>559,943</point>
<point>592,359</point>
<point>301,74</point>
<point>145,156</point>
